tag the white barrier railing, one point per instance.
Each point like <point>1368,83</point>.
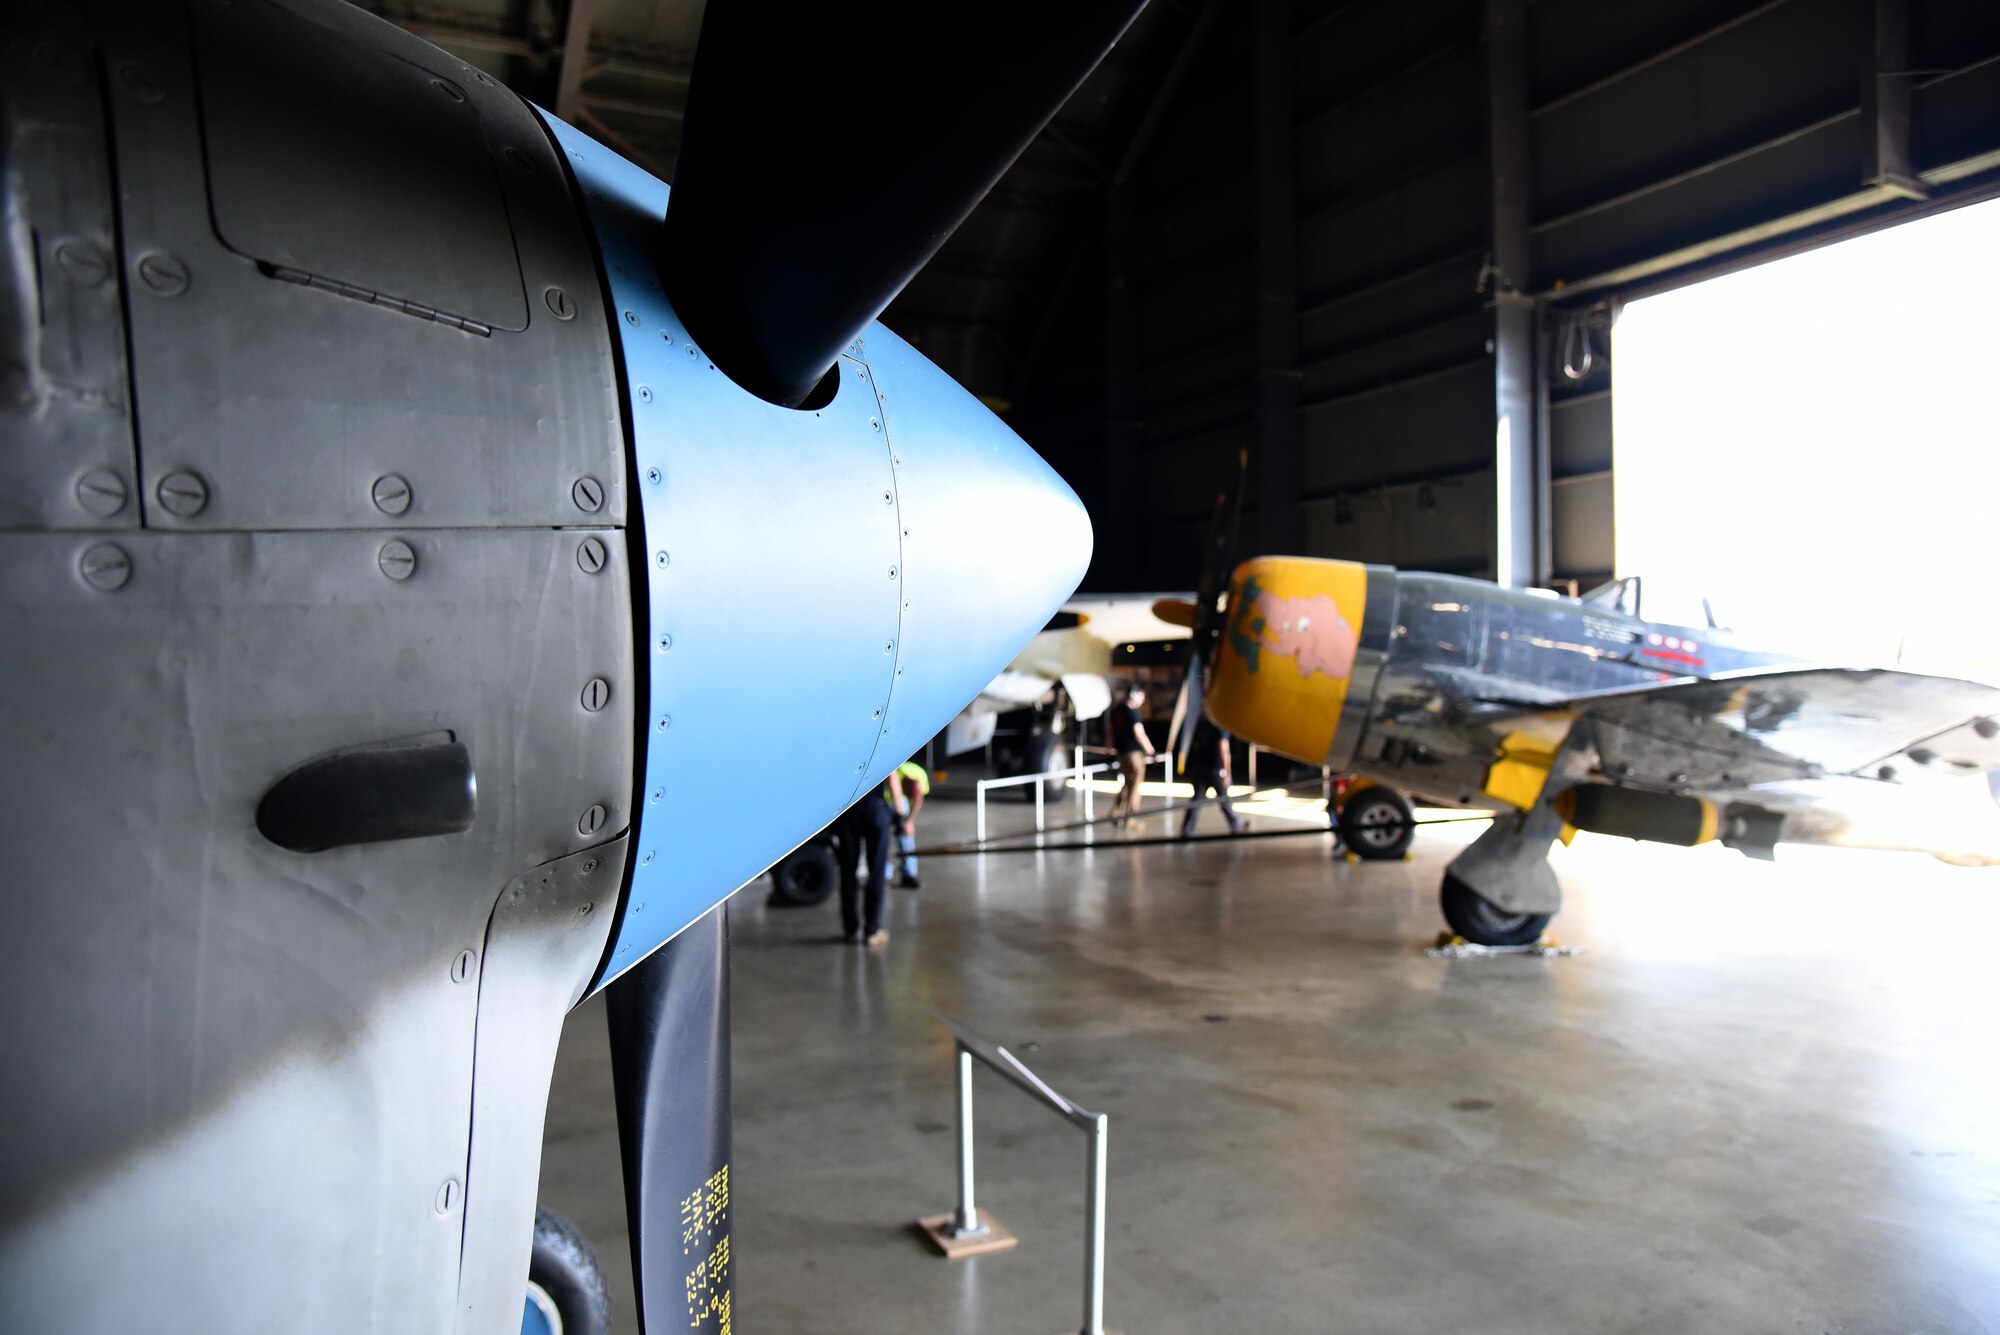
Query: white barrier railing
<point>1075,772</point>
<point>968,1230</point>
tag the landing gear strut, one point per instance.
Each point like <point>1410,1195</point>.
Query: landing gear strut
<point>1501,890</point>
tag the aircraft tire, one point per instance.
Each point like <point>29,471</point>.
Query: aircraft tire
<point>806,877</point>
<point>1041,752</point>
<point>1480,921</point>
<point>1375,824</point>
<point>566,1270</point>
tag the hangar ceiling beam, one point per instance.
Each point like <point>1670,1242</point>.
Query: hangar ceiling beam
<point>1277,279</point>
<point>1520,506</point>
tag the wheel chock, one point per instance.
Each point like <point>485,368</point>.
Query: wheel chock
<point>1452,947</point>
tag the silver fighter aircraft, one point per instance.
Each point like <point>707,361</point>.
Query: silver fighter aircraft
<point>1566,714</point>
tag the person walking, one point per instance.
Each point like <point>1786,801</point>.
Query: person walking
<point>1208,769</point>
<point>1133,749</point>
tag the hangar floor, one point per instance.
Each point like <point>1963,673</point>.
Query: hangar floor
<point>1764,1098</point>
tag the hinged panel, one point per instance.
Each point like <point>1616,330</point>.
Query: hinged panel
<point>366,399</point>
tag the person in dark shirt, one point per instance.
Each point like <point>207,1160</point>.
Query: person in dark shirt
<point>1133,748</point>
<point>1208,769</point>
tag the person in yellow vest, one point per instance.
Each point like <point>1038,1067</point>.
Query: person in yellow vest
<point>906,790</point>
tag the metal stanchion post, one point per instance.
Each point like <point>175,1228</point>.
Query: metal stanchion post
<point>979,810</point>
<point>1093,1247</point>
<point>1038,805</point>
<point>967,1224</point>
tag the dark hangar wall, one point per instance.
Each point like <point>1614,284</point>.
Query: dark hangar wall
<point>1352,236</point>
<point>1363,232</point>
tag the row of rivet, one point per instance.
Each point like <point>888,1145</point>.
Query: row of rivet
<point>184,494</point>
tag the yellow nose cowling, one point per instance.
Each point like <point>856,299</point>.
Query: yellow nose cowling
<point>1287,652</point>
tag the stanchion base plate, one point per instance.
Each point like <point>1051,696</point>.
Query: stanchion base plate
<point>957,1246</point>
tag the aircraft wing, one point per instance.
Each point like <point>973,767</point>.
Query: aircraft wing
<point>1125,618</point>
<point>1771,725</point>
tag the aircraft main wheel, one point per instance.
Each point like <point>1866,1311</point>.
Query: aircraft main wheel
<point>1482,922</point>
<point>806,877</point>
<point>1040,753</point>
<point>565,1282</point>
<point>1375,824</point>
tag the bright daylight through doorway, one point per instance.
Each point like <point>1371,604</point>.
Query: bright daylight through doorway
<point>1814,445</point>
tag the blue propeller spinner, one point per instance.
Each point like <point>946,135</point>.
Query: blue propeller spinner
<point>825,587</point>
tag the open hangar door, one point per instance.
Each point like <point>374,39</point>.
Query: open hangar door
<point>1812,442</point>
<point>1818,149</point>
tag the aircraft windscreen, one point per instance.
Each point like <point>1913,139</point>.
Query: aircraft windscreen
<point>1655,599</point>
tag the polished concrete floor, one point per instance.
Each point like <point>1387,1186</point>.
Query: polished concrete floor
<point>1764,1098</point>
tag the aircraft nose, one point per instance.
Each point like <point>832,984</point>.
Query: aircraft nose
<point>993,541</point>
<point>1286,657</point>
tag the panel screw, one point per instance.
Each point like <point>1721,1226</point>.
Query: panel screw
<point>590,556</point>
<point>666,721</point>
<point>101,491</point>
<point>589,866</point>
<point>391,493</point>
<point>449,89</point>
<point>653,476</point>
<point>106,567</point>
<point>691,351</point>
<point>519,159</point>
<point>662,560</point>
<point>666,337</point>
<point>588,493</point>
<point>164,275</point>
<point>666,643</point>
<point>183,494</point>
<point>591,821</point>
<point>559,304</point>
<point>892,572</point>
<point>648,858</point>
<point>645,394</point>
<point>888,498</point>
<point>596,694</point>
<point>447,1197</point>
<point>659,793</point>
<point>875,423</point>
<point>136,82</point>
<point>889,648</point>
<point>83,263</point>
<point>397,559</point>
<point>461,968</point>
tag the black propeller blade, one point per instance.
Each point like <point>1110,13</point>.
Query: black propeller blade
<point>828,152</point>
